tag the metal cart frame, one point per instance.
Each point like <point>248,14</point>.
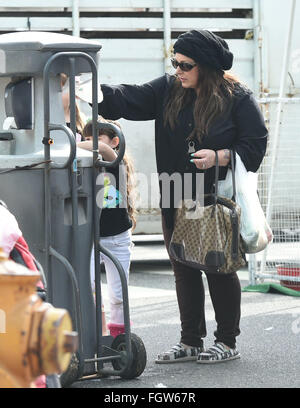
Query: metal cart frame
<point>103,344</point>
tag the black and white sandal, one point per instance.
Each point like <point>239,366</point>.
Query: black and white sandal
<point>179,353</point>
<point>217,354</point>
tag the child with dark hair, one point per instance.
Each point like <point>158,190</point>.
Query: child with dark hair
<point>117,218</point>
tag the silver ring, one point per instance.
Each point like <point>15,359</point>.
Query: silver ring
<point>203,166</point>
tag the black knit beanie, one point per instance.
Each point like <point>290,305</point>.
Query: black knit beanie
<point>205,48</point>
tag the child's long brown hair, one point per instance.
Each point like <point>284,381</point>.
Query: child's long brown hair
<point>130,179</point>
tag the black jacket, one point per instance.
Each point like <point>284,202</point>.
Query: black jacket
<point>241,128</point>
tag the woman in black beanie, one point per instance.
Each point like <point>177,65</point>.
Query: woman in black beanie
<point>198,111</point>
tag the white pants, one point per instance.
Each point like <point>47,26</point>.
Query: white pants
<point>120,246</point>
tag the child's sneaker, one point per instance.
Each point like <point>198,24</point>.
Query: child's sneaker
<point>218,353</point>
<point>178,353</point>
<point>40,382</point>
<point>116,329</point>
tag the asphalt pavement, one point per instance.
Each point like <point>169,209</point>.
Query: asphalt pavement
<point>269,342</point>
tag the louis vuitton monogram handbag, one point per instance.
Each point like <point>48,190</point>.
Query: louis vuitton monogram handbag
<point>208,237</point>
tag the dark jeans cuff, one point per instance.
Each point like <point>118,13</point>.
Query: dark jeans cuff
<point>192,342</point>
<point>229,341</point>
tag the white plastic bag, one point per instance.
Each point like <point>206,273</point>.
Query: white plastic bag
<point>255,231</point>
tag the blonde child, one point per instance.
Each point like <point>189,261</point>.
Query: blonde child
<point>79,116</point>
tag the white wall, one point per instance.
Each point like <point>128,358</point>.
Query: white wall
<point>275,17</point>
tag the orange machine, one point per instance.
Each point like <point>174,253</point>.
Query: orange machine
<point>35,337</point>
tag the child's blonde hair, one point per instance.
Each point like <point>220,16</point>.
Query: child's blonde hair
<point>130,179</point>
<point>80,122</point>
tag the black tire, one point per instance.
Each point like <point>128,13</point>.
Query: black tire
<point>139,356</point>
<point>71,375</point>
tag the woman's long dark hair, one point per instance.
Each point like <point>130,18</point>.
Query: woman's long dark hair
<point>213,96</point>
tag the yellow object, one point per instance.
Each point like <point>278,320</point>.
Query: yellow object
<point>35,337</point>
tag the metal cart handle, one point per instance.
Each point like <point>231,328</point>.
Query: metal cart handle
<point>72,141</point>
<point>118,131</point>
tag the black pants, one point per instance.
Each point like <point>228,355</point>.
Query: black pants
<point>225,292</point>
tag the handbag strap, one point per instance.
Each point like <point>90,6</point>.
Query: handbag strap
<point>232,160</point>
<point>232,173</point>
<point>216,178</point>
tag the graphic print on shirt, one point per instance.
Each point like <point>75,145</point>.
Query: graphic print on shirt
<point>112,197</point>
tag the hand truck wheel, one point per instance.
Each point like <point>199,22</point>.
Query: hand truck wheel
<point>139,356</point>
<point>71,375</point>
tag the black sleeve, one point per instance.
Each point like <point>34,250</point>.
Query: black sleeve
<point>252,133</point>
<point>132,102</point>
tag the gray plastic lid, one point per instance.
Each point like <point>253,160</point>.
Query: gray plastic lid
<point>45,41</point>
